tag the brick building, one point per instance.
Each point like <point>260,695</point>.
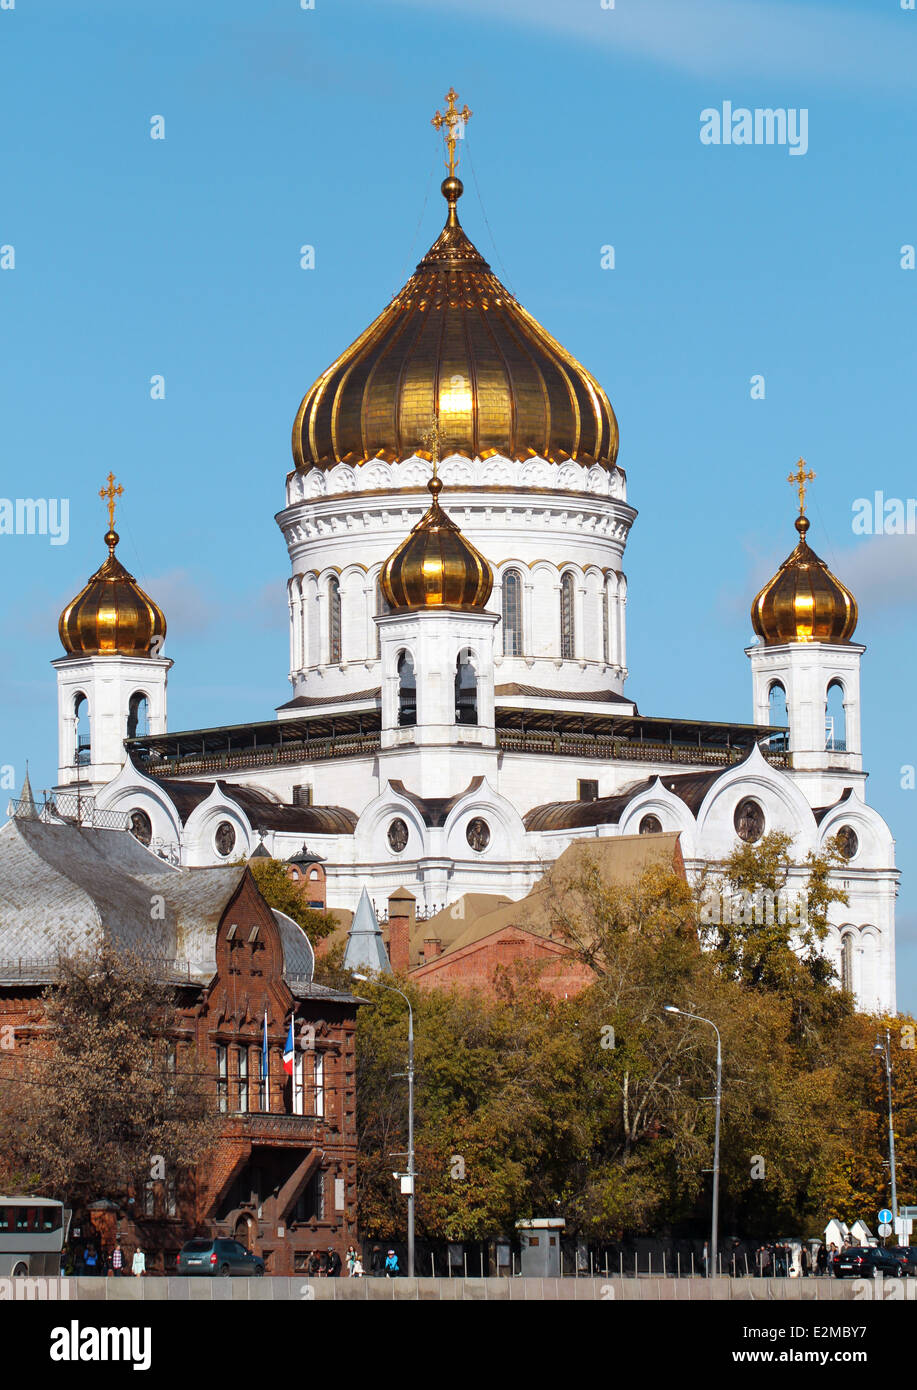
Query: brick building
<point>282,1176</point>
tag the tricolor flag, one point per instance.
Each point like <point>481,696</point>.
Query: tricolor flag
<point>288,1050</point>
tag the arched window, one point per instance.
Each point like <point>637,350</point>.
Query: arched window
<point>835,719</point>
<point>512,613</point>
<point>776,714</point>
<point>466,689</point>
<point>138,716</point>
<point>567,632</point>
<point>334,620</point>
<point>847,963</point>
<point>82,744</point>
<point>407,690</point>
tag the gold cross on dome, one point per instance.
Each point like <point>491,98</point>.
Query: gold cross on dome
<point>799,480</point>
<point>453,121</point>
<point>111,492</point>
<point>431,440</point>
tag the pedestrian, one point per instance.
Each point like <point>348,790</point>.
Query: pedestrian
<point>357,1271</point>
<point>377,1262</point>
<point>313,1267</point>
<point>323,1265</point>
<point>767,1261</point>
<point>117,1260</point>
<point>705,1257</point>
<point>804,1261</point>
<point>138,1265</point>
<point>334,1263</point>
<point>391,1265</point>
<point>351,1258</point>
<point>821,1259</point>
<point>91,1260</point>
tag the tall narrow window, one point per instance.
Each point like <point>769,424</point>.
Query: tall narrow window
<point>222,1079</point>
<point>847,963</point>
<point>466,689</point>
<point>835,719</point>
<point>138,716</point>
<point>243,1078</point>
<point>298,1097</point>
<point>605,638</point>
<point>777,715</point>
<point>334,620</point>
<point>264,1072</point>
<point>407,690</point>
<point>319,1065</point>
<point>512,613</point>
<point>381,610</point>
<point>82,750</point>
<point>567,631</point>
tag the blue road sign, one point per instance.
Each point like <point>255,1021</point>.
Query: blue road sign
<point>885,1216</point>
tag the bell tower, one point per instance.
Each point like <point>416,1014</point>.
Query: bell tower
<point>805,668</point>
<point>111,685</point>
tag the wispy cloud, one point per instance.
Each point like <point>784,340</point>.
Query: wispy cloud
<point>729,38</point>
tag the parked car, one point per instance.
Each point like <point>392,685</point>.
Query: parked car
<point>218,1256</point>
<point>861,1261</point>
<point>907,1254</point>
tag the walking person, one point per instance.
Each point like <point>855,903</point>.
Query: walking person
<point>313,1267</point>
<point>391,1265</point>
<point>377,1263</point>
<point>821,1259</point>
<point>117,1261</point>
<point>91,1260</point>
<point>334,1263</point>
<point>138,1264</point>
<point>350,1259</point>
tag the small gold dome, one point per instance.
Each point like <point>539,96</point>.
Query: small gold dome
<point>111,615</point>
<point>456,346</point>
<point>804,602</point>
<point>435,566</point>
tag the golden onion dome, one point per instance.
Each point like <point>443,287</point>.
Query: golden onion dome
<point>112,616</point>
<point>454,345</point>
<point>435,566</point>
<point>804,602</point>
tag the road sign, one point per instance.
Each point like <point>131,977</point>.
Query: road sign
<point>909,1213</point>
<point>885,1229</point>
<point>885,1216</point>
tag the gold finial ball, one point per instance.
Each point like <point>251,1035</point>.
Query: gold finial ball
<point>111,539</point>
<point>452,188</point>
<point>435,487</point>
<point>802,524</point>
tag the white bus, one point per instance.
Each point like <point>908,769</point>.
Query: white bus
<point>33,1231</point>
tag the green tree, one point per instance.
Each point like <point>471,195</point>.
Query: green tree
<point>279,891</point>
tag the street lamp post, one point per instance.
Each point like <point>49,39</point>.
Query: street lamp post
<point>410,1173</point>
<point>715,1218</point>
<point>885,1050</point>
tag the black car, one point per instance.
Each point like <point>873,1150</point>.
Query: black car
<point>218,1256</point>
<point>907,1254</point>
<point>865,1261</point>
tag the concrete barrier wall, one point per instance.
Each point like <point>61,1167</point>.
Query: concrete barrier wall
<point>399,1290</point>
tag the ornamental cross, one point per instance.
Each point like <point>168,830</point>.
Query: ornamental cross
<point>431,440</point>
<point>799,480</point>
<point>111,492</point>
<point>454,121</point>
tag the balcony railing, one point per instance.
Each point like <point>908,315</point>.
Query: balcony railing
<point>68,808</point>
<point>311,750</point>
<point>627,751</point>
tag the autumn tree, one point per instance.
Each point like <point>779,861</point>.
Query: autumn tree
<point>91,1113</point>
<point>279,890</point>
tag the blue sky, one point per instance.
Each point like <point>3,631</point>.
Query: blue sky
<point>285,126</point>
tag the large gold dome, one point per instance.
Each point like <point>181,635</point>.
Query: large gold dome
<point>111,615</point>
<point>804,602</point>
<point>455,346</point>
<point>435,566</point>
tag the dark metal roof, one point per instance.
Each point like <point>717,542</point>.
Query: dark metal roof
<point>819,812</point>
<point>595,696</point>
<point>692,787</point>
<point>262,811</point>
<point>311,701</point>
<point>434,809</point>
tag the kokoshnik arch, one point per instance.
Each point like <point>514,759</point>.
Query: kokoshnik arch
<point>456,520</point>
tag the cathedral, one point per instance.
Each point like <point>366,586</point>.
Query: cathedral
<point>456,519</point>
